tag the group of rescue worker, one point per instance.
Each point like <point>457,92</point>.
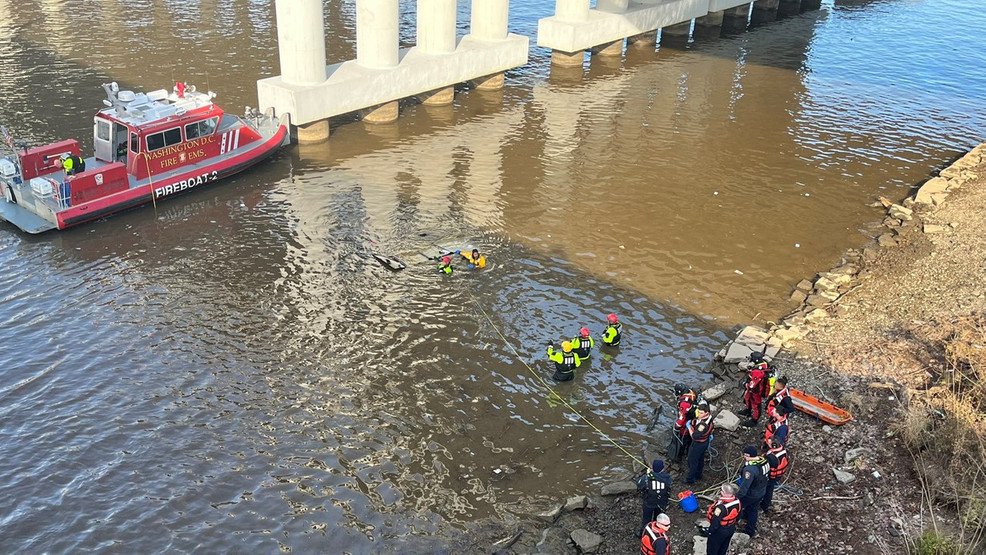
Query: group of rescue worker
<point>473,260</point>
<point>762,468</point>
<point>579,348</point>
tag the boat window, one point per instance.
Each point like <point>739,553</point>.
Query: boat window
<point>102,130</point>
<point>200,128</point>
<point>165,138</point>
<point>134,143</point>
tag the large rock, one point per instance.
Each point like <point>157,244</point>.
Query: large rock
<point>617,488</point>
<point>554,540</point>
<point>551,514</point>
<point>739,542</point>
<point>816,315</point>
<point>798,296</point>
<point>727,421</point>
<point>818,301</point>
<point>932,228</point>
<point>899,212</point>
<point>804,285</point>
<point>825,284</point>
<point>700,545</point>
<point>586,541</point>
<point>716,391</point>
<point>843,477</point>
<point>786,335</point>
<point>931,187</point>
<point>576,502</point>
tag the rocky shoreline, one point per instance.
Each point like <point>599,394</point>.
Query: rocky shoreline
<point>852,488</point>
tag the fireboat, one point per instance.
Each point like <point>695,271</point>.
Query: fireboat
<point>146,147</point>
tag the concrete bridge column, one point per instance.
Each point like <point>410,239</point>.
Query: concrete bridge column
<point>709,26</point>
<point>787,8</point>
<point>764,11</point>
<point>436,35</point>
<point>736,19</point>
<point>301,50</point>
<point>809,5</point>
<point>676,35</point>
<point>377,26</point>
<point>488,21</point>
<point>643,40</point>
<point>572,10</point>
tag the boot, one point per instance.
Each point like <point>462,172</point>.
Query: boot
<point>745,412</point>
<point>750,423</point>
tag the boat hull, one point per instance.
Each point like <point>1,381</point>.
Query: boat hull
<point>167,186</point>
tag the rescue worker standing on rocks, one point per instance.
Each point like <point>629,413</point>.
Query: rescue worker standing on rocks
<point>754,475</point>
<point>722,516</point>
<point>755,388</point>
<point>565,362</point>
<point>654,540</point>
<point>583,344</point>
<point>777,428</point>
<point>613,333</point>
<point>656,487</point>
<point>700,432</point>
<point>781,397</point>
<point>777,459</point>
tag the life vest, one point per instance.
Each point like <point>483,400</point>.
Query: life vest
<point>726,511</point>
<point>700,435</point>
<point>581,346</point>
<point>446,269</point>
<point>780,454</point>
<point>777,398</point>
<point>649,540</point>
<point>772,428</point>
<point>615,339</point>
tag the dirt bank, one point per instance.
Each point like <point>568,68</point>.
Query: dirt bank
<point>874,345</point>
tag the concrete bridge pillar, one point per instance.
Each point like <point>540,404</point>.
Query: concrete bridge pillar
<point>676,35</point>
<point>301,50</point>
<point>612,6</point>
<point>736,19</point>
<point>643,40</point>
<point>377,27</point>
<point>809,5</point>
<point>709,26</point>
<point>787,8</point>
<point>488,20</point>
<point>436,35</point>
<point>764,11</point>
<point>570,10</point>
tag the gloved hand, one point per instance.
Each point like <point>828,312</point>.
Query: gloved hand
<point>471,266</point>
<point>550,343</point>
<point>458,252</point>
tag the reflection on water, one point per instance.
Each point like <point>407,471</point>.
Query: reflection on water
<point>235,370</point>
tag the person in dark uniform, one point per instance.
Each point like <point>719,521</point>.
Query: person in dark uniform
<point>755,475</point>
<point>654,540</point>
<point>722,516</point>
<point>777,458</point>
<point>583,344</point>
<point>565,362</point>
<point>700,432</point>
<point>656,487</point>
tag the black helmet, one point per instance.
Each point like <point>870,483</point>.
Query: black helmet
<point>756,357</point>
<point>680,389</point>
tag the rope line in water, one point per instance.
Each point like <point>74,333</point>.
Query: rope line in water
<point>547,386</point>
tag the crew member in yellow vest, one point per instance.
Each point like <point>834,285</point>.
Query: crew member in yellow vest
<point>565,362</point>
<point>583,344</point>
<point>72,164</point>
<point>613,334</point>
<point>446,266</point>
<point>474,259</point>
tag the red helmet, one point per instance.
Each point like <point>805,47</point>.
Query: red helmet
<point>446,260</point>
<point>584,332</point>
<point>611,318</point>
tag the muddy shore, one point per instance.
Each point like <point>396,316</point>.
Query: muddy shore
<point>862,335</point>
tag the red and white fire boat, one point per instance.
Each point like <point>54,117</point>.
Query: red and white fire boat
<point>147,147</point>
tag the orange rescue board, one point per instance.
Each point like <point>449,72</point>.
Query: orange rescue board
<point>818,408</point>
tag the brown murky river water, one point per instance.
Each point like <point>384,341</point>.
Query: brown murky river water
<point>234,373</point>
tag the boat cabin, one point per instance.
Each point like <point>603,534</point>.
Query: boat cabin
<point>159,132</point>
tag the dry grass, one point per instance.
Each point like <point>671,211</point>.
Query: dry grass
<point>946,434</point>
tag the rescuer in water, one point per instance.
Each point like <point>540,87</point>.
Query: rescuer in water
<point>565,362</point>
<point>446,265</point>
<point>613,334</point>
<point>583,344</point>
<point>473,259</point>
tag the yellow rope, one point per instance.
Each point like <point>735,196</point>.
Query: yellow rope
<point>549,388</point>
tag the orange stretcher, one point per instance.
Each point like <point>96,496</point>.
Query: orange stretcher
<point>818,408</point>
